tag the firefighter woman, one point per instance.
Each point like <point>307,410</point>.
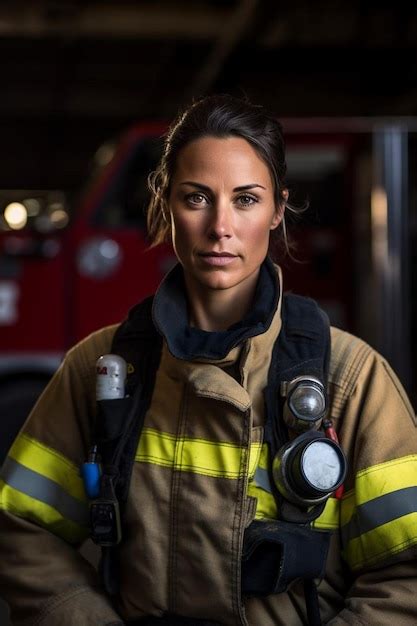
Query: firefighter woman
<point>245,463</point>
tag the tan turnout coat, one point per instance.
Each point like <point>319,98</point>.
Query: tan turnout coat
<point>188,503</point>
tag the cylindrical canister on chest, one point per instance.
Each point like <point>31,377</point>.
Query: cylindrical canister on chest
<point>111,371</point>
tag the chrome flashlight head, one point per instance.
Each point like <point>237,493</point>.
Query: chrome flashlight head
<point>305,404</point>
<point>309,468</point>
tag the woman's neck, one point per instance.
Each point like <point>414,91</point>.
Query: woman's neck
<point>214,310</point>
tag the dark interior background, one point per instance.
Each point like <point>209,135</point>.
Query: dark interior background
<point>74,72</point>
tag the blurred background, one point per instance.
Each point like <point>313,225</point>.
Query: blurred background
<point>87,90</point>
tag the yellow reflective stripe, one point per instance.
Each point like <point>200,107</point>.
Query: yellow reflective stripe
<point>44,489</point>
<point>254,457</point>
<point>22,505</point>
<point>156,447</point>
<point>266,507</point>
<point>382,541</point>
<point>39,484</point>
<point>329,518</point>
<point>200,456</point>
<point>384,478</point>
<point>264,457</point>
<point>347,507</point>
<point>377,517</point>
<point>49,463</point>
<point>379,480</point>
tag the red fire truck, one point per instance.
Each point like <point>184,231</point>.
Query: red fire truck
<point>62,276</point>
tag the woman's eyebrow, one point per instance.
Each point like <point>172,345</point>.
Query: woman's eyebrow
<point>246,187</point>
<point>198,185</point>
<point>205,188</point>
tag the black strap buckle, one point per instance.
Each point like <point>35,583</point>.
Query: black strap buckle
<point>106,529</point>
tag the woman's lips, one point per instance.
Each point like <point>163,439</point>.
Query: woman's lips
<point>218,259</point>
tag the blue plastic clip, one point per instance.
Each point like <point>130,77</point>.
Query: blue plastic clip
<point>91,473</point>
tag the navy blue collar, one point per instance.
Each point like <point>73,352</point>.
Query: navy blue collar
<point>170,316</point>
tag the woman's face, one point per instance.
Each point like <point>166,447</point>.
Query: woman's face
<point>222,209</point>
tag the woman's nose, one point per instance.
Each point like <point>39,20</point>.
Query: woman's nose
<point>221,221</point>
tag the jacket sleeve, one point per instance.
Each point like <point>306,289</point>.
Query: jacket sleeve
<point>43,507</point>
<point>379,508</point>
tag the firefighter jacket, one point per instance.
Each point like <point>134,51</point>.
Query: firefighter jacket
<point>195,487</point>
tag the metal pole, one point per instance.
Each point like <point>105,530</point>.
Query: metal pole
<point>390,250</point>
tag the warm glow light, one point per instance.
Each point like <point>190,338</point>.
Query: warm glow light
<point>59,218</point>
<point>379,216</point>
<point>379,207</point>
<point>16,215</point>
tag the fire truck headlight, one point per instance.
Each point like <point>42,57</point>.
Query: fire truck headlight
<point>99,258</point>
<point>16,215</point>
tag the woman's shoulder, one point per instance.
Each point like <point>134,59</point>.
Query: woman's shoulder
<point>356,366</point>
<point>349,356</point>
<point>93,345</point>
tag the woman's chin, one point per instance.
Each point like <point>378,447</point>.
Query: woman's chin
<point>218,279</point>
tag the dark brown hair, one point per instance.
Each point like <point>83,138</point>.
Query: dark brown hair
<point>219,116</point>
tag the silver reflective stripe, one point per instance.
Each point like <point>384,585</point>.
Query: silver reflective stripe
<point>380,511</point>
<point>45,490</point>
<point>261,479</point>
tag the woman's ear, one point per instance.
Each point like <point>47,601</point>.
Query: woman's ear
<point>280,210</point>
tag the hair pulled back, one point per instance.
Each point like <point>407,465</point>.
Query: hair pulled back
<point>219,116</point>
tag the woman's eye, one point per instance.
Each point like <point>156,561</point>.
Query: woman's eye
<point>247,200</point>
<point>197,199</point>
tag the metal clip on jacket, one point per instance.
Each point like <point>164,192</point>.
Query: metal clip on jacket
<point>106,529</point>
<point>305,404</point>
<point>91,473</point>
